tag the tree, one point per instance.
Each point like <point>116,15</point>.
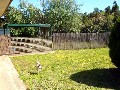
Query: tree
<point>115,10</point>
<point>107,10</point>
<point>98,20</point>
<point>114,44</point>
<point>115,7</point>
<point>26,13</point>
<point>108,25</point>
<point>114,40</point>
<point>93,22</point>
<point>63,15</point>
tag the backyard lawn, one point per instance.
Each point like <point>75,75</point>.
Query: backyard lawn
<point>86,69</point>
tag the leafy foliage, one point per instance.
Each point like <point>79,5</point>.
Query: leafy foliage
<point>114,41</point>
<point>114,44</point>
<point>25,14</point>
<point>97,21</point>
<point>62,15</point>
<point>100,21</point>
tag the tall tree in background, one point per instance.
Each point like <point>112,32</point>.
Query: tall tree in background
<point>108,10</point>
<point>115,10</point>
<point>108,25</point>
<point>63,15</point>
<point>93,22</point>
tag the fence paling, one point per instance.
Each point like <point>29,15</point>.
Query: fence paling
<point>79,40</point>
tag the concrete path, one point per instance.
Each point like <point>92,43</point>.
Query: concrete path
<point>9,78</point>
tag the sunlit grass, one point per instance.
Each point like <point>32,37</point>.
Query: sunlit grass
<point>58,68</point>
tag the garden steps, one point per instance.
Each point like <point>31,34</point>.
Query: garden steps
<point>30,45</point>
<point>21,49</point>
<point>39,41</point>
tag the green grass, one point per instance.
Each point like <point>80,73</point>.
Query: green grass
<point>87,69</point>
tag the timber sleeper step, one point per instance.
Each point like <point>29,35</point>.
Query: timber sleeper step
<point>32,46</point>
<point>21,49</point>
<point>38,41</point>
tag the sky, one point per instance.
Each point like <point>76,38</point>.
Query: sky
<point>88,5</point>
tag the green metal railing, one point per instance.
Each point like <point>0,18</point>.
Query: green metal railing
<point>6,27</point>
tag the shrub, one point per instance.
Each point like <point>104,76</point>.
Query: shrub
<point>114,44</point>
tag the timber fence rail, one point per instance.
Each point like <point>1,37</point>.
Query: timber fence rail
<point>72,41</point>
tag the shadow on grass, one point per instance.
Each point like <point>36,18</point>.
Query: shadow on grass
<point>101,78</point>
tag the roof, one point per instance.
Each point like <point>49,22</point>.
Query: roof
<point>4,5</point>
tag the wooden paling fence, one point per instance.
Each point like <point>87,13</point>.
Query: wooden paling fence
<point>67,41</point>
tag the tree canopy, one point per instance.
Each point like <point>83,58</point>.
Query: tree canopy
<point>63,15</point>
<point>25,14</point>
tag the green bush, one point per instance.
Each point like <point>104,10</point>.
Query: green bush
<point>114,44</point>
